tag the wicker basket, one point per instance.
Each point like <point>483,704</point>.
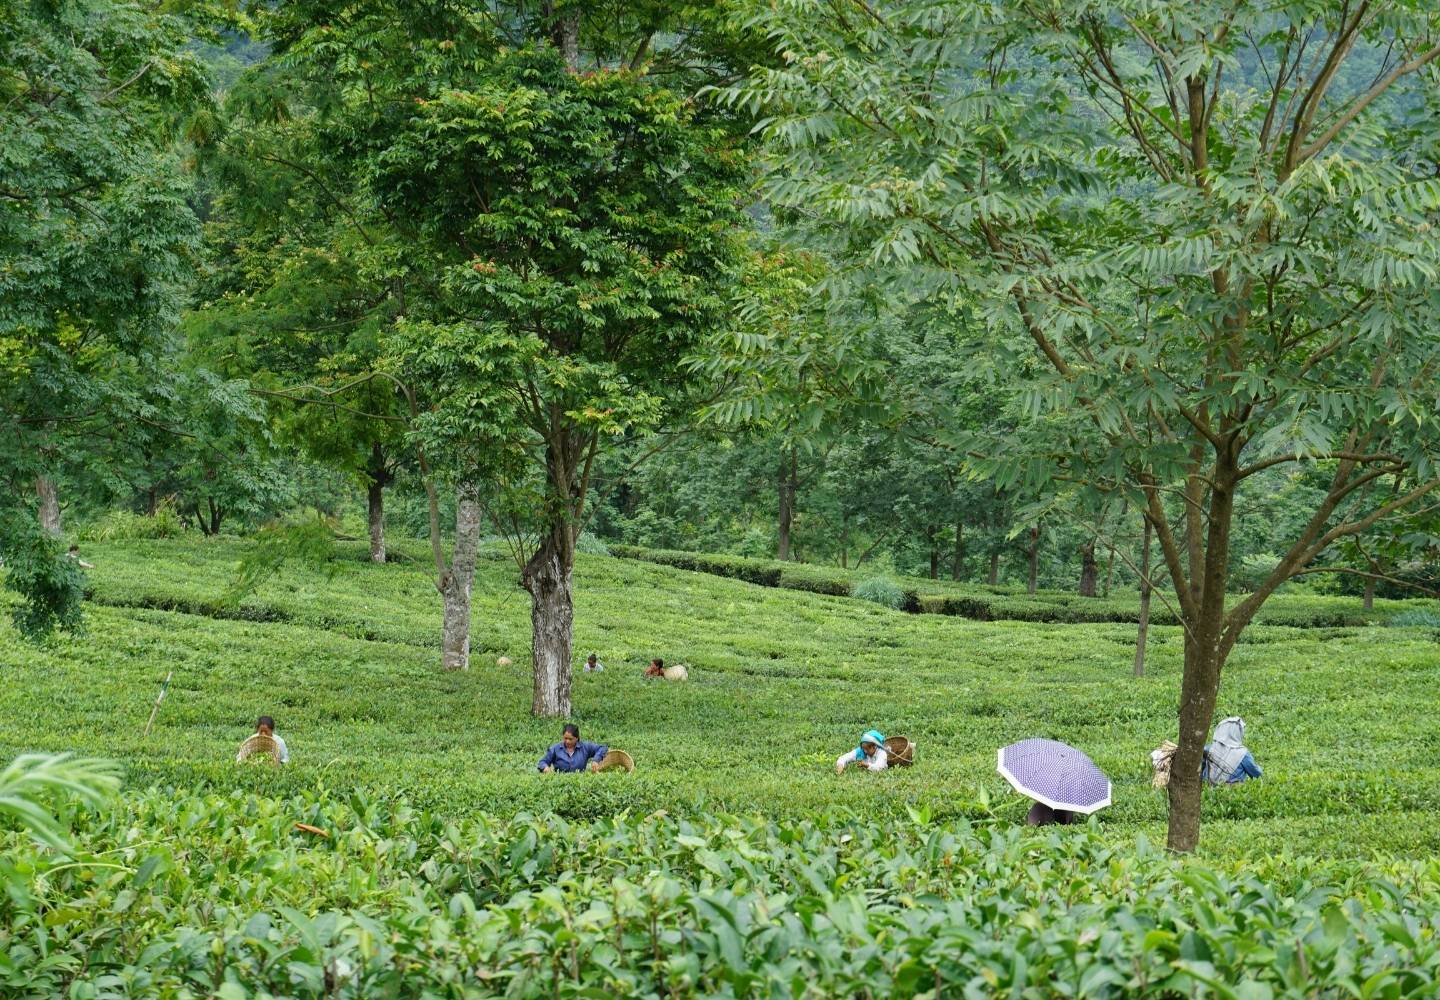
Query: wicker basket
<point>616,760</point>
<point>259,746</point>
<point>1160,760</point>
<point>901,751</point>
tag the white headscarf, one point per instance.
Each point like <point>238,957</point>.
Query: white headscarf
<point>1227,750</point>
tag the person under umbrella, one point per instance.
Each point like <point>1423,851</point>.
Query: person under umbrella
<point>1227,759</point>
<point>1062,780</point>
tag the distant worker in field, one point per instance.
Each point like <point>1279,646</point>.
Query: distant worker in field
<point>572,753</point>
<point>74,555</point>
<point>593,664</point>
<point>1227,759</point>
<point>265,727</point>
<point>870,754</point>
<point>656,668</point>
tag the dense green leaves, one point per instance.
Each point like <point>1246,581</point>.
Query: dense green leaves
<point>96,241</point>
<point>397,900</point>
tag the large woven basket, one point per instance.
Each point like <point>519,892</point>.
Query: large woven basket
<point>616,760</point>
<point>259,746</point>
<point>1160,760</point>
<point>901,751</point>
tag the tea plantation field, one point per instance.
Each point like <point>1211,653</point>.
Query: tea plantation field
<point>733,861</point>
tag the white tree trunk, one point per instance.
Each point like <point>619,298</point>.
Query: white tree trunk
<point>455,639</point>
<point>49,505</point>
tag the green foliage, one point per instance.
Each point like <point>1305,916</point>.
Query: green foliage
<point>494,871</point>
<point>799,673</point>
<point>96,239</point>
<point>1417,618</point>
<point>1001,603</point>
<point>124,525</point>
<point>590,545</point>
<point>882,590</point>
<point>30,783</point>
<point>51,587</point>
<point>308,540</point>
<point>399,900</point>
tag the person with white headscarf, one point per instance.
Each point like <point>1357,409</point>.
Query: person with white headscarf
<point>1227,759</point>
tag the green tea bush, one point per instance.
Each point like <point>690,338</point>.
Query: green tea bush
<point>176,894</point>
<point>881,590</point>
<point>490,879</point>
<point>815,579</point>
<point>1001,603</point>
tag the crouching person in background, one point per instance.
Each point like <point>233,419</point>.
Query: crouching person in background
<point>870,754</point>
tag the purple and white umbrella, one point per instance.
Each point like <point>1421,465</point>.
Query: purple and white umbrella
<point>1056,774</point>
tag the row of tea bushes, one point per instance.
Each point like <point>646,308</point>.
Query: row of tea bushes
<point>170,894</point>
<point>1001,603</point>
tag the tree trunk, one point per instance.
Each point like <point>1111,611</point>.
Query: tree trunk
<point>1369,594</point>
<point>1089,571</point>
<point>568,38</point>
<point>994,568</point>
<point>930,532</point>
<point>455,587</point>
<point>957,558</point>
<point>1109,569</point>
<point>1034,558</point>
<point>552,615</point>
<point>1200,685</point>
<point>217,515</point>
<point>49,505</point>
<point>1146,590</point>
<point>787,502</point>
<point>375,496</point>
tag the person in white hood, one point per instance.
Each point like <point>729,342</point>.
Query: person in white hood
<point>1227,758</point>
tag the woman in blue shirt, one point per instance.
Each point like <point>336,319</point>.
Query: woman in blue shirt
<point>572,753</point>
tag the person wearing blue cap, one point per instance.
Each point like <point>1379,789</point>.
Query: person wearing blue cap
<point>870,754</point>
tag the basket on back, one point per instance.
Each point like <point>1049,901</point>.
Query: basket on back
<point>1160,760</point>
<point>901,751</point>
<point>260,746</point>
<point>616,760</point>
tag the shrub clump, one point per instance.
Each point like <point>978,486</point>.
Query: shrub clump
<point>590,545</point>
<point>881,591</point>
<point>1416,618</point>
<point>124,526</point>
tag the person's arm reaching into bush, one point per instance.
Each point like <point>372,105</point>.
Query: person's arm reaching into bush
<point>596,752</point>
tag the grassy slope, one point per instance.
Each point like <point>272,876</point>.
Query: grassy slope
<point>781,683</point>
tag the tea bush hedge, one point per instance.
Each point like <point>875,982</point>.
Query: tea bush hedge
<point>453,868</point>
<point>1001,603</point>
<point>221,896</point>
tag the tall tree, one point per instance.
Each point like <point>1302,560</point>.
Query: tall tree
<point>584,230</point>
<point>1213,221</point>
<point>97,239</point>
